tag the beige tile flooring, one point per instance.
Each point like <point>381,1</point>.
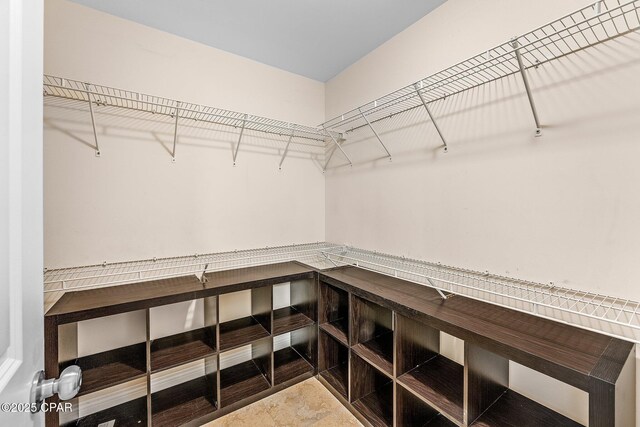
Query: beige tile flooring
<point>308,403</point>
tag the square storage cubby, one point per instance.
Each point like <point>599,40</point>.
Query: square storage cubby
<point>422,369</point>
<point>411,412</point>
<point>182,332</point>
<point>184,393</point>
<point>371,392</point>
<point>333,363</point>
<point>121,405</point>
<point>334,312</point>
<point>294,305</point>
<point>294,354</point>
<point>372,333</point>
<point>492,403</point>
<point>245,371</point>
<point>110,350</point>
<point>245,317</point>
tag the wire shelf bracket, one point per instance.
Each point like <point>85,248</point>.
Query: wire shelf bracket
<point>175,132</point>
<point>286,150</point>
<point>93,120</point>
<point>433,120</point>
<point>375,133</point>
<point>337,146</point>
<point>235,152</point>
<point>527,86</point>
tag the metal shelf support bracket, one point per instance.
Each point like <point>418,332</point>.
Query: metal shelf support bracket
<point>286,150</point>
<point>235,153</point>
<point>426,107</point>
<point>93,119</point>
<point>331,155</point>
<point>525,79</point>
<point>175,132</point>
<point>374,132</point>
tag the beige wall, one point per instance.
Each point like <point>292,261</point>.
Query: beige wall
<point>133,203</point>
<point>561,208</point>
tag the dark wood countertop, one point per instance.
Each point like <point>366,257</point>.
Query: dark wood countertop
<point>87,304</point>
<point>568,353</point>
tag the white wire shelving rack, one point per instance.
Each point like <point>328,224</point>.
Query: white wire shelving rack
<point>618,317</point>
<point>97,96</point>
<point>589,26</point>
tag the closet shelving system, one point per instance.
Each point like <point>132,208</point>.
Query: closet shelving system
<point>95,96</point>
<point>589,26</point>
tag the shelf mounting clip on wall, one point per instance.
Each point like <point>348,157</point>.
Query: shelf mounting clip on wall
<point>93,119</point>
<point>525,79</point>
<point>426,107</point>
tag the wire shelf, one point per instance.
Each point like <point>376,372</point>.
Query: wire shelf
<point>618,317</point>
<point>579,30</point>
<point>104,96</point>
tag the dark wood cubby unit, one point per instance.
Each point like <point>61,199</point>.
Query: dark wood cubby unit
<point>372,333</point>
<point>431,376</point>
<point>238,332</point>
<point>249,377</point>
<point>412,411</point>
<point>298,358</point>
<point>302,310</point>
<point>373,340</point>
<point>333,363</point>
<point>128,414</point>
<point>110,368</point>
<point>184,402</point>
<point>371,392</point>
<point>334,312</point>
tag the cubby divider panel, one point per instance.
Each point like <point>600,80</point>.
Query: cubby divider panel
<point>296,359</point>
<point>434,378</point>
<point>249,377</point>
<point>128,414</point>
<point>334,312</point>
<point>372,333</point>
<point>109,368</point>
<point>371,392</point>
<point>333,363</point>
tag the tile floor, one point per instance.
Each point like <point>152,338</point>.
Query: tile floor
<point>308,403</point>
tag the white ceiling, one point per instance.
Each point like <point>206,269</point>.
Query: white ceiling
<point>316,39</point>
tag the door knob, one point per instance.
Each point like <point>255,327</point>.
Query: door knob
<point>67,386</point>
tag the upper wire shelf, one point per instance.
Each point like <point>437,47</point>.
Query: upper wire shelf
<point>591,25</point>
<point>126,99</point>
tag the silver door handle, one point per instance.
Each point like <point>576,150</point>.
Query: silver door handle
<point>67,386</point>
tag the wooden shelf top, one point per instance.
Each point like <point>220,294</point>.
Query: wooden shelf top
<point>91,303</point>
<point>567,353</point>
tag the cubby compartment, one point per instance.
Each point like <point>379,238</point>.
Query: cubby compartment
<point>245,316</point>
<point>372,334</point>
<point>434,378</point>
<point>413,412</point>
<point>106,360</point>
<point>294,354</point>
<point>182,332</point>
<point>245,371</point>
<point>334,312</point>
<point>120,405</point>
<point>371,392</point>
<point>492,403</point>
<point>333,363</point>
<point>294,305</point>
<point>184,393</point>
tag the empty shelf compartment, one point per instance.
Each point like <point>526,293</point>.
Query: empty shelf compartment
<point>128,414</point>
<point>289,318</point>
<point>184,402</point>
<point>245,330</point>
<point>174,350</point>
<point>241,381</point>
